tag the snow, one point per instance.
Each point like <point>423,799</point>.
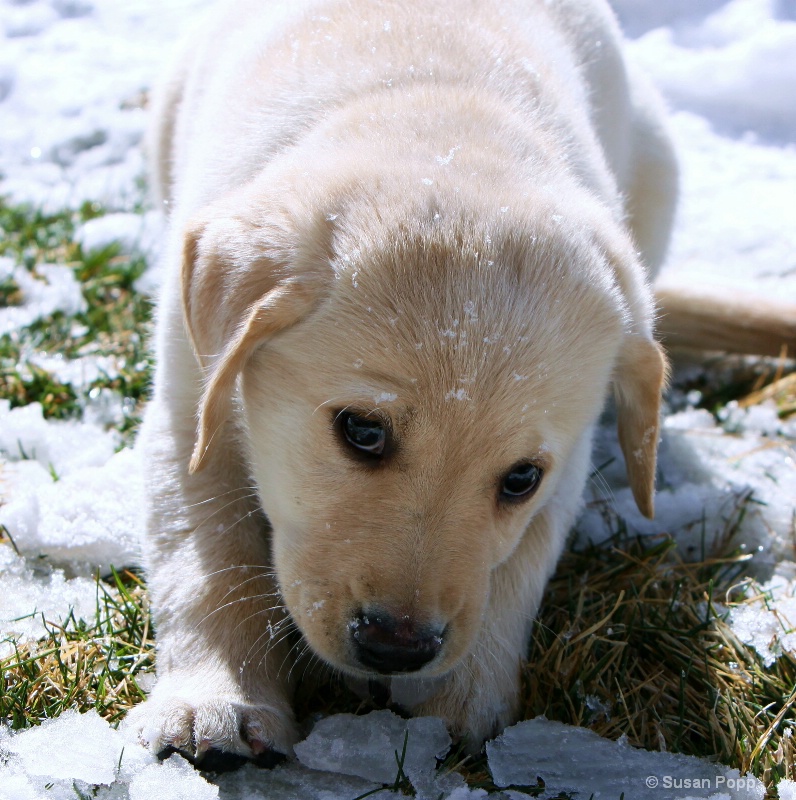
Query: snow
<point>30,598</point>
<point>78,747</point>
<point>713,479</point>
<point>73,82</point>
<point>743,56</point>
<point>722,178</point>
<point>175,779</point>
<point>76,372</point>
<point>91,517</point>
<point>786,790</point>
<point>139,234</point>
<point>66,492</point>
<point>81,755</point>
<point>45,290</point>
<point>769,622</point>
<point>347,756</point>
<point>63,446</point>
<point>72,133</point>
<point>385,397</point>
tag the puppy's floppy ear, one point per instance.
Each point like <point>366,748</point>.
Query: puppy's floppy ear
<point>640,378</point>
<point>641,371</point>
<point>237,293</point>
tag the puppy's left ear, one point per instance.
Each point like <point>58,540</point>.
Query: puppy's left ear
<point>638,383</point>
<point>641,371</point>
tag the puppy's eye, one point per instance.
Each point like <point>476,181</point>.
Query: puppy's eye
<point>368,436</point>
<point>521,482</point>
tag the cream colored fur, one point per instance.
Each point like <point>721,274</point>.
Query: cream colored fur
<point>432,212</point>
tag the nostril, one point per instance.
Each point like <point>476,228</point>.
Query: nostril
<point>386,644</point>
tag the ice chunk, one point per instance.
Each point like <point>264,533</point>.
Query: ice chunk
<point>74,746</point>
<point>366,746</point>
<point>292,781</point>
<point>175,779</point>
<point>571,759</point>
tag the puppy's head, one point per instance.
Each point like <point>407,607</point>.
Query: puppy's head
<point>415,386</point>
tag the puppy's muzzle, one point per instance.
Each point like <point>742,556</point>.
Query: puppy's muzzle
<point>386,645</point>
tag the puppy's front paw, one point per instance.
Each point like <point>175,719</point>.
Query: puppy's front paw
<point>216,732</point>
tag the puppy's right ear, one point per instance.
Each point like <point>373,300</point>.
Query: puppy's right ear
<point>238,291</point>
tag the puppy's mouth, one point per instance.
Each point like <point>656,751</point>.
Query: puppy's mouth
<point>393,645</point>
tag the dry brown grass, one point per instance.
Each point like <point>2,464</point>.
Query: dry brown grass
<point>782,390</point>
<point>632,641</point>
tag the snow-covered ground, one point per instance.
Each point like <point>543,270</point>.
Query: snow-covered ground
<point>73,78</point>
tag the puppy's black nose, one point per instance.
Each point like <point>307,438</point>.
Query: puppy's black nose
<point>386,644</point>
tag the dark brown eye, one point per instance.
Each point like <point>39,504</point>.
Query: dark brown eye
<point>521,482</point>
<point>367,436</point>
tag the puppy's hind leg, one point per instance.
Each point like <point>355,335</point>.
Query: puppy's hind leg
<point>651,180</point>
<point>159,142</point>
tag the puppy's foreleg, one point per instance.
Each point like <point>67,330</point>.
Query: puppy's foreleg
<point>223,638</point>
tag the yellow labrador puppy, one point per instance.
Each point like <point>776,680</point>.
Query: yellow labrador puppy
<point>409,258</point>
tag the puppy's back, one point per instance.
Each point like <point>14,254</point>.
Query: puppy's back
<point>261,75</point>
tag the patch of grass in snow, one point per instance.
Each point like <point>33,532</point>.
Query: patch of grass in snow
<point>781,390</point>
<point>745,380</point>
<point>83,664</point>
<point>114,324</point>
<point>632,641</point>
<point>24,383</point>
<point>10,293</point>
